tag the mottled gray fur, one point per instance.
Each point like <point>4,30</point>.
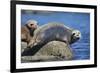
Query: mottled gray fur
<point>53,31</point>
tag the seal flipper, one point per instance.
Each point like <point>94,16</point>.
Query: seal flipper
<point>31,43</point>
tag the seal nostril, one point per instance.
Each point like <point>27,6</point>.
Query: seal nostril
<point>78,38</point>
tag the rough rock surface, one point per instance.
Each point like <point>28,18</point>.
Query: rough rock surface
<point>23,46</point>
<point>52,51</point>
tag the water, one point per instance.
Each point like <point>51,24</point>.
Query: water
<point>80,21</point>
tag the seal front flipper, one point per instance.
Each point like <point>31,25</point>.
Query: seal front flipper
<point>31,43</point>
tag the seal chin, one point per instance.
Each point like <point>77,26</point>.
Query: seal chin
<point>76,35</point>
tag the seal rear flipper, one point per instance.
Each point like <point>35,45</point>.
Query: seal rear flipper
<point>31,43</point>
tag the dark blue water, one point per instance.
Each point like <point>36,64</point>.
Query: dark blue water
<point>80,21</point>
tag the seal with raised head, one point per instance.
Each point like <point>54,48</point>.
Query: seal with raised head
<point>54,31</point>
<point>27,30</point>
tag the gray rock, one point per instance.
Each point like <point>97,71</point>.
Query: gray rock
<point>52,51</point>
<point>39,58</point>
<point>23,46</point>
<point>56,48</point>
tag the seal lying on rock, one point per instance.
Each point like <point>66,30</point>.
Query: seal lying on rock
<point>54,31</point>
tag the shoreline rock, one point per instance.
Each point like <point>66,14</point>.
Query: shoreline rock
<point>52,51</point>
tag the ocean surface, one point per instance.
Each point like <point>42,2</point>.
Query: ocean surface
<point>80,21</point>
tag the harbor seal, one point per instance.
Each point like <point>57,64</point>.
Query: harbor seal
<point>54,31</point>
<point>27,30</point>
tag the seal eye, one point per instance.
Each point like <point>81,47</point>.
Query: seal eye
<point>31,24</point>
<point>73,34</point>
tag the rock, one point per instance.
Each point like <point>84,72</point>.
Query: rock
<point>56,48</point>
<point>23,46</point>
<point>52,51</point>
<point>39,58</point>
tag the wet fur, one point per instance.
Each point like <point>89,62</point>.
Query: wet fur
<point>50,32</point>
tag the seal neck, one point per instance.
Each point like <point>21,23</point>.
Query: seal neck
<point>30,30</point>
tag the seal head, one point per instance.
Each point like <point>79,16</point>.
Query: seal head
<point>76,35</point>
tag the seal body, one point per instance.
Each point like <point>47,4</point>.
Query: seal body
<point>53,31</point>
